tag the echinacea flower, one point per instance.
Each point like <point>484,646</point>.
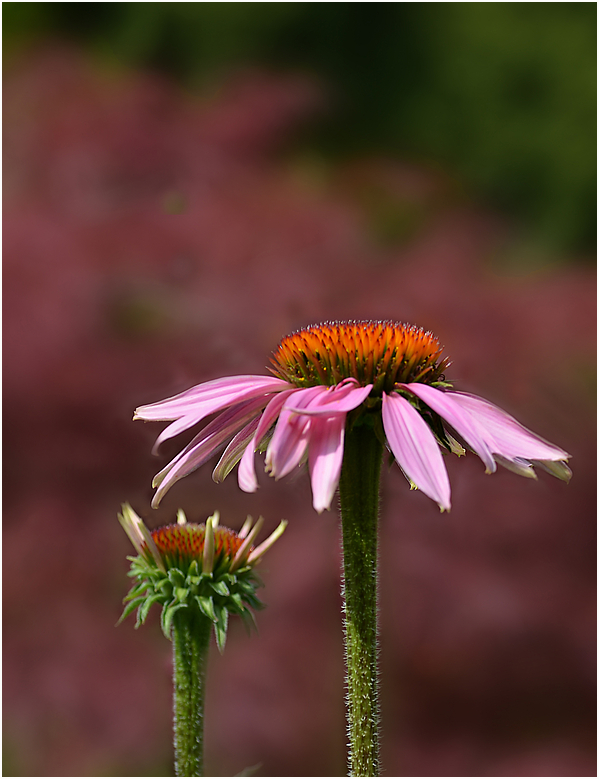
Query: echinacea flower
<point>385,374</point>
<point>199,574</point>
<point>204,568</point>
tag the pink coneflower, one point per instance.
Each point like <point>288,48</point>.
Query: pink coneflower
<point>326,377</point>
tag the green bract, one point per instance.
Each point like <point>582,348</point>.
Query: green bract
<point>202,572</point>
<point>214,595</point>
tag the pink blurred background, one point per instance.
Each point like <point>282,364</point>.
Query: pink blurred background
<point>155,238</point>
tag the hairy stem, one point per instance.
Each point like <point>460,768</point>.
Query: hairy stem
<point>191,639</point>
<point>359,495</point>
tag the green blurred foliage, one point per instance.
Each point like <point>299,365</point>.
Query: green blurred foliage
<point>505,93</point>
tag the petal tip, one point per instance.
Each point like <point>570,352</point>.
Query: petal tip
<point>320,509</point>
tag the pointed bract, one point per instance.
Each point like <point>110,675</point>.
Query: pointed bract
<point>139,535</point>
<point>259,551</point>
<point>244,550</point>
<point>208,553</point>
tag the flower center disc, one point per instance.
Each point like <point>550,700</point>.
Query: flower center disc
<point>181,544</point>
<point>378,353</point>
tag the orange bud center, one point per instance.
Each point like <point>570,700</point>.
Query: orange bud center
<point>181,544</point>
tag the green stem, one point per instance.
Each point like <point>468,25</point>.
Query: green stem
<point>359,494</point>
<point>191,639</point>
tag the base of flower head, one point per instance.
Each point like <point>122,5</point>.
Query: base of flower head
<point>207,595</point>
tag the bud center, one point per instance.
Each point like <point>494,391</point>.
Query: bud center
<point>179,545</point>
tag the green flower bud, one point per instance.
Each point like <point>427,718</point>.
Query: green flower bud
<point>207,569</point>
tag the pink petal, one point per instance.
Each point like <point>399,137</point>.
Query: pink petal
<point>271,412</point>
<point>325,458</point>
<point>289,441</point>
<point>204,445</point>
<point>458,417</point>
<point>415,448</point>
<point>234,451</point>
<point>196,410</point>
<point>225,424</point>
<point>213,395</point>
<point>505,435</point>
<point>336,400</point>
<point>176,427</point>
<point>246,474</point>
<point>287,445</point>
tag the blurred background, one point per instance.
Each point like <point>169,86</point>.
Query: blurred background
<point>186,183</point>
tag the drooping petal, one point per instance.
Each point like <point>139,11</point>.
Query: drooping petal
<point>201,409</point>
<point>521,467</point>
<point>505,435</point>
<point>445,404</point>
<point>325,458</point>
<point>198,410</point>
<point>176,427</point>
<point>290,438</point>
<point>415,448</point>
<point>271,412</point>
<point>234,451</point>
<point>288,444</point>
<point>204,445</point>
<point>212,395</point>
<point>246,474</point>
<point>219,429</point>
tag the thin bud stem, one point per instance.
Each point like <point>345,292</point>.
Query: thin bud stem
<point>191,639</point>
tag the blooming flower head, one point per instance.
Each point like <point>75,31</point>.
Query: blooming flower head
<point>205,568</point>
<point>336,374</point>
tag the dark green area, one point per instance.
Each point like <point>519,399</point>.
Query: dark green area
<point>503,93</point>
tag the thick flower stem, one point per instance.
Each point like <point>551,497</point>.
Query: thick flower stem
<point>359,495</point>
<point>191,639</point>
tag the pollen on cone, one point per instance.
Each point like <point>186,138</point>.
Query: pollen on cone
<point>378,353</point>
